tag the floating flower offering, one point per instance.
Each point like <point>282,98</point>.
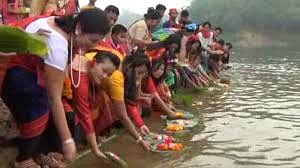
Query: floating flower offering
<point>198,103</point>
<point>184,115</point>
<point>182,123</point>
<point>168,142</point>
<point>159,138</point>
<point>180,114</point>
<point>165,138</point>
<point>163,143</point>
<point>175,127</point>
<point>169,147</point>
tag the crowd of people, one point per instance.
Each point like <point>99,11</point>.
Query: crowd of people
<point>99,73</point>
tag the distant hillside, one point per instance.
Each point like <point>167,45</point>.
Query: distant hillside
<point>128,17</point>
<point>235,15</point>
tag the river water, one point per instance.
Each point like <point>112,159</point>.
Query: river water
<point>253,124</point>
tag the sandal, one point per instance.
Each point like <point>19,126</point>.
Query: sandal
<point>26,164</point>
<point>48,161</point>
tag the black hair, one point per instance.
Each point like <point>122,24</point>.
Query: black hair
<point>113,9</point>
<point>221,41</point>
<point>190,44</point>
<point>101,56</point>
<point>185,13</point>
<point>129,64</point>
<point>118,28</point>
<point>90,21</point>
<point>174,39</point>
<point>229,44</point>
<point>150,9</point>
<point>171,39</point>
<point>206,23</point>
<point>219,28</point>
<point>192,55</point>
<point>156,63</point>
<point>160,7</point>
<point>152,14</point>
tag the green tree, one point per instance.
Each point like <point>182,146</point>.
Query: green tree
<point>233,15</point>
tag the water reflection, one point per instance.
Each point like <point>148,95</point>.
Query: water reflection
<point>257,122</point>
<point>254,124</point>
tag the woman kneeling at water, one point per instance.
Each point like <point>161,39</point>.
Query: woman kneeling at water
<point>91,75</point>
<point>136,67</point>
<point>137,70</point>
<point>110,105</point>
<point>159,74</point>
<point>32,87</point>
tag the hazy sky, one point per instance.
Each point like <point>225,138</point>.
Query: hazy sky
<point>138,6</point>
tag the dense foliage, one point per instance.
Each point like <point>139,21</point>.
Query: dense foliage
<point>234,15</point>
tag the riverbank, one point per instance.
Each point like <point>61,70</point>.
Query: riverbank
<point>185,99</point>
<point>252,124</point>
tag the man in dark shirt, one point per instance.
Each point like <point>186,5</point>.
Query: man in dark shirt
<point>172,22</point>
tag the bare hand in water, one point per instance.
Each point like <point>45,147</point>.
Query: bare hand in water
<point>100,155</point>
<point>69,151</point>
<point>172,108</point>
<point>145,130</point>
<point>145,145</point>
<point>172,115</point>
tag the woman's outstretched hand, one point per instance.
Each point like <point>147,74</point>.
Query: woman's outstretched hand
<point>144,130</point>
<point>69,150</point>
<point>145,145</point>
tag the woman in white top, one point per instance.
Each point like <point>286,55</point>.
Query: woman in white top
<point>140,31</point>
<point>32,87</point>
<point>206,38</point>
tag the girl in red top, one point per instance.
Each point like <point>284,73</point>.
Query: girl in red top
<point>166,49</point>
<point>159,71</point>
<point>85,95</point>
<point>140,89</point>
<point>136,67</point>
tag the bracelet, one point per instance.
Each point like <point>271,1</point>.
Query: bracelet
<point>139,140</point>
<point>68,141</point>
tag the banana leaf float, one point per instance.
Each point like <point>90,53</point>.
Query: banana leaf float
<point>184,114</point>
<point>183,123</point>
<point>162,143</point>
<point>16,40</point>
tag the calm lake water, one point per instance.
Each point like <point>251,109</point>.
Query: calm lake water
<point>253,124</point>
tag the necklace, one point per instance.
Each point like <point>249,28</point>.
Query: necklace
<point>76,85</point>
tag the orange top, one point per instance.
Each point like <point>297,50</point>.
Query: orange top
<point>154,54</point>
<point>115,84</point>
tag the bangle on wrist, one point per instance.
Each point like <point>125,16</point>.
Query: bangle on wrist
<point>68,141</point>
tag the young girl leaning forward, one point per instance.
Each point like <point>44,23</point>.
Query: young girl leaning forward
<point>159,74</point>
